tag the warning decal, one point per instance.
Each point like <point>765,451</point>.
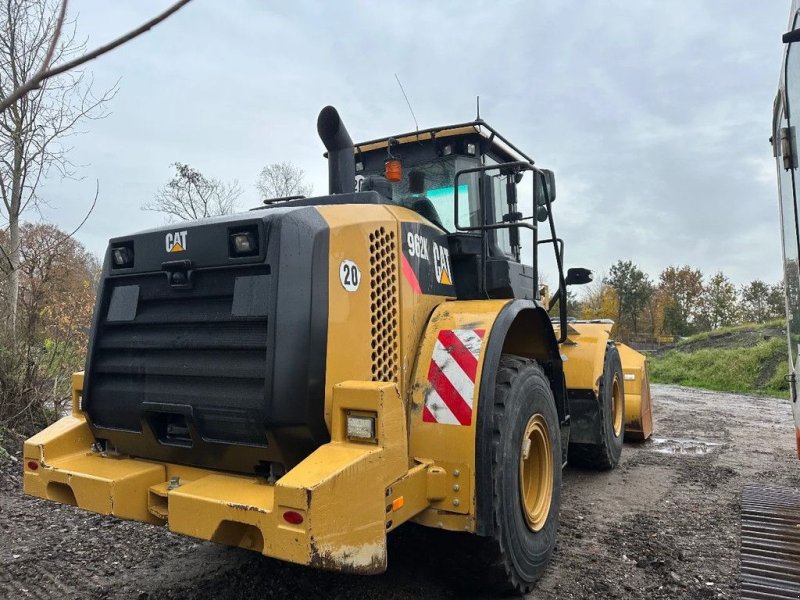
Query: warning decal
<point>451,376</point>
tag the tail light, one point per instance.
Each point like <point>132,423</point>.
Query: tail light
<point>293,517</point>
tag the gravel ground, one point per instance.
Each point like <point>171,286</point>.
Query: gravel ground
<point>665,524</point>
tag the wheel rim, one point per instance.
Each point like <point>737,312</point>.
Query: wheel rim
<point>536,473</point>
<point>616,404</point>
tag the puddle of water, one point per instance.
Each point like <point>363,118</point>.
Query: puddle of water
<point>681,446</point>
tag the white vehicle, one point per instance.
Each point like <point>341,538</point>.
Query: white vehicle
<point>785,121</point>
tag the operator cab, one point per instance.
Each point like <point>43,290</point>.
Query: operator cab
<point>463,179</point>
<point>423,170</point>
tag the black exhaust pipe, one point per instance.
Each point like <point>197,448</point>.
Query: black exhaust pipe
<point>341,157</point>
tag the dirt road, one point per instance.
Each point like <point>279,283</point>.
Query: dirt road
<point>662,525</point>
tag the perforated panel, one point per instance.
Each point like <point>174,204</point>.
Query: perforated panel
<point>383,294</point>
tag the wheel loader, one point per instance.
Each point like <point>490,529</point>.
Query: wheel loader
<point>304,378</point>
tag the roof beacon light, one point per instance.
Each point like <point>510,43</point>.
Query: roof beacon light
<point>393,170</point>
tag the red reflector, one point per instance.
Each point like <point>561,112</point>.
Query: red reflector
<point>33,465</point>
<point>293,517</point>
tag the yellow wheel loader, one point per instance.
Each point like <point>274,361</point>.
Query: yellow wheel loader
<point>304,378</point>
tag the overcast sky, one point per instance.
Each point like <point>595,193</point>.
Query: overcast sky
<point>654,115</point>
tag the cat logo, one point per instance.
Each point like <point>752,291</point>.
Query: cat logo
<point>176,241</point>
<point>441,263</point>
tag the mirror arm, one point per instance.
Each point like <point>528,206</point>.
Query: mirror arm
<point>553,300</point>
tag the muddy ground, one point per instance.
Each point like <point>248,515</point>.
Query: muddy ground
<point>665,524</point>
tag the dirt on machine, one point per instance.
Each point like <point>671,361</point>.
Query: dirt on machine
<point>304,378</point>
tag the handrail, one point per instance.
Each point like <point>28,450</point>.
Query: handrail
<point>483,227</point>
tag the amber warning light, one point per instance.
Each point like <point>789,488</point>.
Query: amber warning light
<point>394,170</point>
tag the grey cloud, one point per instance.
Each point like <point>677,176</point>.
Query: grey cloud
<point>654,115</point>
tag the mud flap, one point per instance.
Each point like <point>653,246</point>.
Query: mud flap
<point>585,424</point>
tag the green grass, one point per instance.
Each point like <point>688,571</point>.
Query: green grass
<point>734,369</point>
<point>706,335</point>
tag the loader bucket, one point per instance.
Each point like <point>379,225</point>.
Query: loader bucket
<point>638,406</point>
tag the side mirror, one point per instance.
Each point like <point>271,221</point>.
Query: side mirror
<point>544,189</point>
<point>578,276</point>
<point>550,183</point>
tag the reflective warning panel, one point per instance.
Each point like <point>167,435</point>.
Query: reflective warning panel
<point>426,260</point>
<point>451,376</point>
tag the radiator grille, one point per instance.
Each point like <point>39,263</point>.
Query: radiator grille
<point>183,347</point>
<point>383,294</point>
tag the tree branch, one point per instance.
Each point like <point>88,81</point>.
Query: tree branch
<point>83,222</point>
<point>46,73</point>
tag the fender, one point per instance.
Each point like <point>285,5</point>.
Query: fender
<point>454,443</point>
<point>445,401</point>
<point>584,352</point>
<point>522,327</point>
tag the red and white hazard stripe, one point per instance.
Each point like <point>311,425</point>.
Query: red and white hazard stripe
<point>451,375</point>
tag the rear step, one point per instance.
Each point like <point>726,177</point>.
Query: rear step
<point>770,565</point>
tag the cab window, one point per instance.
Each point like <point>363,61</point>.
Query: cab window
<point>500,205</point>
<point>439,180</point>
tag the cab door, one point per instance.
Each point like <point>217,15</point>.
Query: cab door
<point>786,124</point>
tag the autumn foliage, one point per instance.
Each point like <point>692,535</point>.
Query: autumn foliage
<point>680,302</point>
<point>57,290</point>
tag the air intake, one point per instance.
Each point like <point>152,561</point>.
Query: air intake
<point>383,294</point>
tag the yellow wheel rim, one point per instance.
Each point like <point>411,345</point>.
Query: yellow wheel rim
<point>536,473</point>
<point>616,405</point>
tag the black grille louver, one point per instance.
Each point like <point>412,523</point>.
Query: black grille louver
<point>186,348</point>
<point>203,358</point>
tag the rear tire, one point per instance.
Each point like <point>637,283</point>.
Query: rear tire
<point>605,455</point>
<point>526,473</point>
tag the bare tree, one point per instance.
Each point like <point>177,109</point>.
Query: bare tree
<point>280,180</point>
<point>46,71</point>
<point>34,128</point>
<point>190,195</point>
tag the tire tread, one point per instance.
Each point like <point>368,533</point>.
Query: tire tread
<point>597,456</point>
<point>506,579</point>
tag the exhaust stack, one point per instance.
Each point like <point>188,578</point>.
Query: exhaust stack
<point>341,158</point>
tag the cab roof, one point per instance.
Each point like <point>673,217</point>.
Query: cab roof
<point>496,142</point>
